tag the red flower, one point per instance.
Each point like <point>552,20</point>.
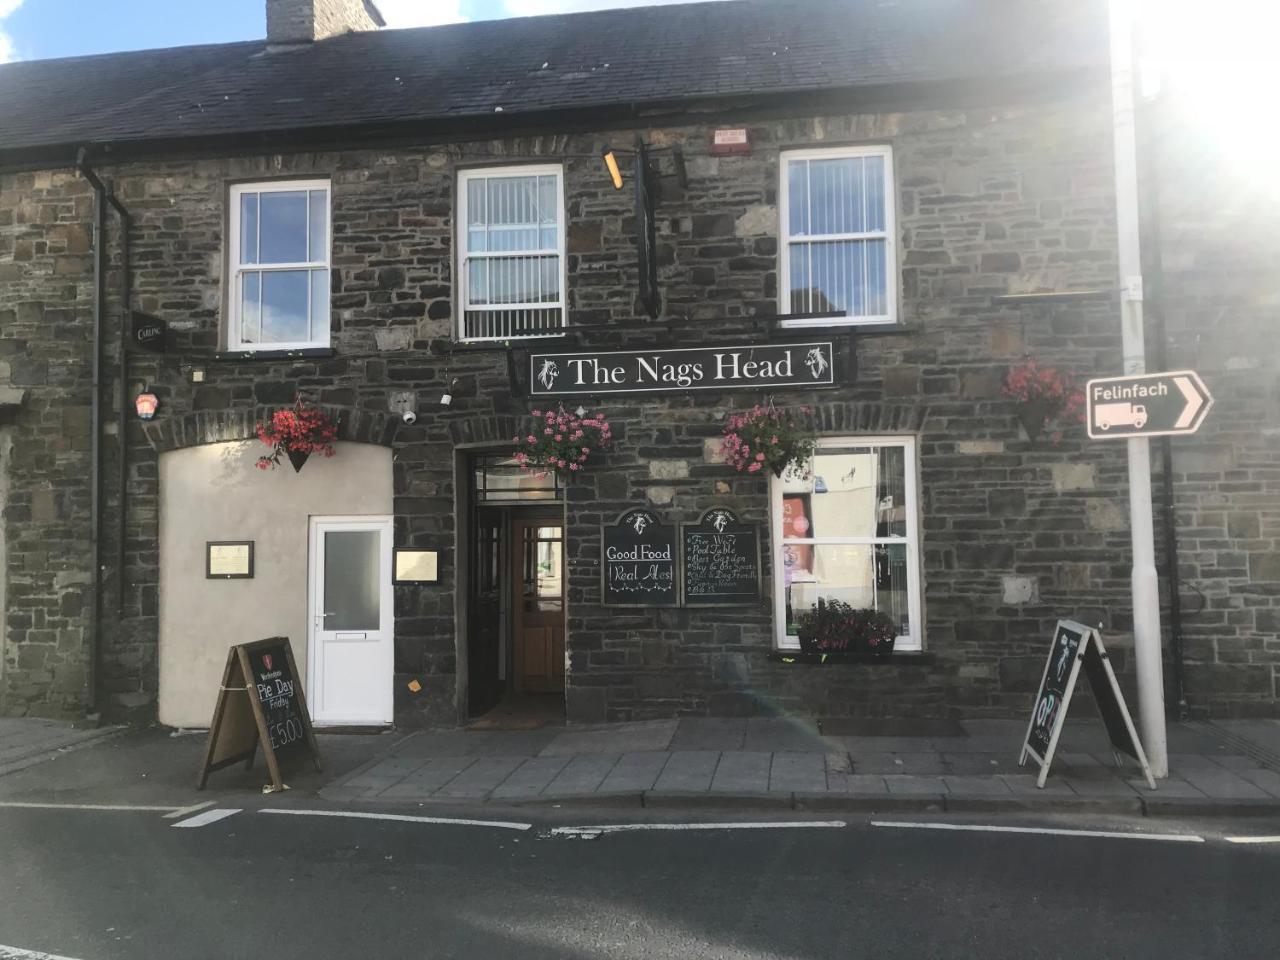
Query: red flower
<point>300,429</point>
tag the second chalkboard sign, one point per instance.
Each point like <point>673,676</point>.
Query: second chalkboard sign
<point>721,560</point>
<point>639,568</point>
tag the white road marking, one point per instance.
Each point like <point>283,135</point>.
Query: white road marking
<point>21,805</point>
<point>17,953</point>
<point>402,817</point>
<point>595,831</point>
<point>184,811</point>
<point>208,817</point>
<point>1252,839</point>
<point>1049,831</point>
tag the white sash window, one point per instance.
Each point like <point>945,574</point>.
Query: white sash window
<point>279,265</point>
<point>837,222</point>
<point>849,531</point>
<point>511,252</point>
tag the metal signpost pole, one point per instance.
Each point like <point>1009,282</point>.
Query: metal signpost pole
<point>1146,597</point>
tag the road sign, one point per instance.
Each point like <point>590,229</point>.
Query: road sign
<point>1146,405</point>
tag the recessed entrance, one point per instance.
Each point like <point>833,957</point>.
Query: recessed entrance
<point>516,603</point>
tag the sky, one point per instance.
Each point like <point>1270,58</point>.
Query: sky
<point>41,29</point>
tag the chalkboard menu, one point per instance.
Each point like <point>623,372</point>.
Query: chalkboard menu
<point>260,703</point>
<point>721,560</point>
<point>277,693</point>
<point>639,562</point>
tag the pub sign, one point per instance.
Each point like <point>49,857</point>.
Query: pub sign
<point>752,366</point>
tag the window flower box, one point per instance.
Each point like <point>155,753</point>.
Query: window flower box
<point>833,626</point>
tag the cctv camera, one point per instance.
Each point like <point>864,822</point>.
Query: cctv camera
<point>409,417</point>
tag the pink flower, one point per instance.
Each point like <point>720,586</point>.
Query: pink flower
<point>537,413</point>
<point>573,466</point>
<point>559,437</point>
<point>586,449</point>
<point>753,468</point>
<point>760,457</point>
<point>547,431</point>
<point>531,438</point>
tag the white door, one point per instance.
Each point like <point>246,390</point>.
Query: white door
<point>351,649</point>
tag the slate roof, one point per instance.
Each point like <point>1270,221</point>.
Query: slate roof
<point>613,58</point>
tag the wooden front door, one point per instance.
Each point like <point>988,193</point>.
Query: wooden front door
<point>538,582</point>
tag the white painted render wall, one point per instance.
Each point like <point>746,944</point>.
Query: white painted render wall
<point>213,492</point>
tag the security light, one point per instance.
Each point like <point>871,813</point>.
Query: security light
<point>611,162</point>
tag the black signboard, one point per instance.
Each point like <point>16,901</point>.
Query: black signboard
<point>646,241</point>
<point>1074,645</point>
<point>766,365</point>
<point>149,332</point>
<point>260,703</point>
<point>278,693</point>
<point>721,560</point>
<point>1059,676</point>
<point>1107,696</point>
<point>1146,405</point>
<point>640,557</point>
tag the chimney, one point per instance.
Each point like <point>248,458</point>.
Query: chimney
<point>291,22</point>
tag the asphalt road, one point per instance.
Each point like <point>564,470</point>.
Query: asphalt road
<point>99,885</point>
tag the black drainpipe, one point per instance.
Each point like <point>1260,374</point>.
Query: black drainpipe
<point>1147,122</point>
<point>122,400</point>
<point>101,197</point>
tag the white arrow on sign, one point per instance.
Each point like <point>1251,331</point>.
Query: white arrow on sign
<point>1195,400</point>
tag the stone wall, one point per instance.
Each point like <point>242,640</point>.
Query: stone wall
<point>1217,281</point>
<point>46,282</point>
<point>1015,533</point>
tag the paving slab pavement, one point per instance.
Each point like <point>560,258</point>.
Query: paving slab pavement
<point>768,761</point>
<point>26,741</point>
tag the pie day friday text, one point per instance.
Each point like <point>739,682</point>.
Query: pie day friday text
<point>700,368</point>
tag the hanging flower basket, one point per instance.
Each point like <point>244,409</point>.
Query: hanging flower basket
<point>766,438</point>
<point>1046,397</point>
<point>561,441</point>
<point>833,626</point>
<point>296,433</point>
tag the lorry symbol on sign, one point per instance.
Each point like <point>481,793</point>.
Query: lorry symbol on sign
<point>1134,414</point>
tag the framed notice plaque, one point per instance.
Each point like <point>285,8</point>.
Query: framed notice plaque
<point>721,560</point>
<point>416,566</point>
<point>228,560</point>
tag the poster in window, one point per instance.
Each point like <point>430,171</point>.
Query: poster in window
<point>797,558</point>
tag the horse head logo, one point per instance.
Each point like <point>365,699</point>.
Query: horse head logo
<point>639,522</point>
<point>547,375</point>
<point>720,521</point>
<point>816,362</point>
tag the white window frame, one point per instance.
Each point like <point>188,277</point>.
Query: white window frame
<point>913,643</point>
<point>562,228</point>
<point>237,269</point>
<point>888,234</point>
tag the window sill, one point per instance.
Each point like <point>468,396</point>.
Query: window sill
<point>316,353</point>
<point>907,658</point>
<point>875,328</point>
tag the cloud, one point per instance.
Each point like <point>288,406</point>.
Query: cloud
<point>531,8</point>
<point>7,51</point>
<point>414,13</point>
